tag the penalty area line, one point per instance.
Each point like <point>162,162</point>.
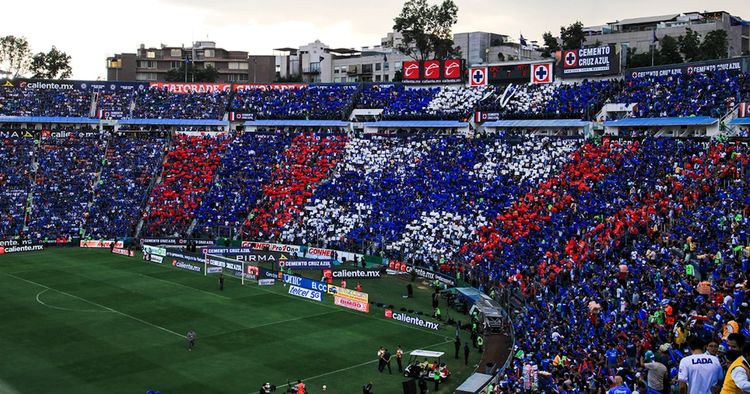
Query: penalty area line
<point>98,305</point>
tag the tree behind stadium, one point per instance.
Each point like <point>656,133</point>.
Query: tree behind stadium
<point>426,29</point>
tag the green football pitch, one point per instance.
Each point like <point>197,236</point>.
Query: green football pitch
<point>88,321</point>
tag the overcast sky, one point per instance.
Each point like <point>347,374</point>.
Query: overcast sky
<point>89,30</point>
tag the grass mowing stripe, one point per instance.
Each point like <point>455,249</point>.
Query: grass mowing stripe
<point>358,365</point>
<point>185,286</point>
<point>99,305</point>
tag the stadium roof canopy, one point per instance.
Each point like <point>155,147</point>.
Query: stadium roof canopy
<point>646,122</point>
<point>646,19</point>
<point>740,122</point>
<point>405,124</point>
<point>541,123</point>
<point>174,122</point>
<point>296,123</point>
<point>47,119</point>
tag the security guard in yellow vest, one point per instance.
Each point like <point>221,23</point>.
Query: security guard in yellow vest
<point>737,380</point>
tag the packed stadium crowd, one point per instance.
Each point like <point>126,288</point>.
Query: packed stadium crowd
<point>623,255</point>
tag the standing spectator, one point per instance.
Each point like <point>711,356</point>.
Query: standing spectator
<point>699,373</point>
<point>737,380</point>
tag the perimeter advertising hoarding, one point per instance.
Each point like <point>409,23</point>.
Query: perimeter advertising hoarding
<point>304,282</point>
<point>44,84</point>
<point>351,304</point>
<point>185,88</point>
<point>306,264</point>
<point>176,241</point>
<point>587,62</point>
<point>353,273</point>
<point>413,320</point>
<point>351,294</point>
<point>306,293</point>
<point>21,248</point>
<point>96,243</point>
<point>738,64</point>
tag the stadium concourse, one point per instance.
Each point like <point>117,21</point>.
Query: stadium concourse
<point>608,250</point>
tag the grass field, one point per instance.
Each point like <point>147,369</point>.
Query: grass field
<point>87,321</point>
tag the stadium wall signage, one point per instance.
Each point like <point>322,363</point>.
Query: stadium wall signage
<point>735,64</point>
<point>43,84</point>
<point>224,264</point>
<point>352,304</point>
<point>305,283</point>
<point>185,256</point>
<point>413,320</point>
<point>585,62</point>
<point>16,134</point>
<point>305,264</point>
<point>213,270</point>
<point>186,266</point>
<point>92,243</point>
<point>21,248</point>
<point>237,116</point>
<point>266,282</point>
<point>175,241</point>
<point>185,88</point>
<point>348,293</point>
<point>153,258</point>
<point>432,71</point>
<point>364,273</point>
<point>432,275</point>
<point>123,252</point>
<point>303,251</point>
<point>227,250</point>
<point>306,293</point>
<point>154,250</point>
<point>260,257</point>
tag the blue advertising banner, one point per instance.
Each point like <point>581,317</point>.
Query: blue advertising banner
<point>306,293</point>
<point>306,283</point>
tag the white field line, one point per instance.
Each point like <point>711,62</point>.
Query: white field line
<point>98,305</point>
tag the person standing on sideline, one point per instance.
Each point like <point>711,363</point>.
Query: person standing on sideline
<point>457,345</point>
<point>300,387</point>
<point>699,373</point>
<point>221,282</point>
<point>399,356</point>
<point>359,287</point>
<point>387,360</point>
<point>191,337</point>
<point>381,362</point>
<point>466,353</point>
<point>480,343</point>
<point>737,380</point>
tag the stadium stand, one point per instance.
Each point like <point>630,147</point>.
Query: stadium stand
<point>189,170</point>
<point>128,168</point>
<point>16,159</point>
<point>160,103</point>
<point>62,190</point>
<point>247,166</point>
<point>331,102</point>
<point>40,102</point>
<point>306,162</point>
<point>605,248</point>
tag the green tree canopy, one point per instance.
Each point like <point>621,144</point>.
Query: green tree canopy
<point>427,29</point>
